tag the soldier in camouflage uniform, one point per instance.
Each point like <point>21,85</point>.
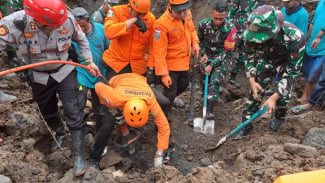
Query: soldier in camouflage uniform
<point>212,33</point>
<point>273,47</point>
<point>100,14</point>
<point>238,13</point>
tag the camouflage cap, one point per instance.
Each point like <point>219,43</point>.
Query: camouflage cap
<point>263,23</point>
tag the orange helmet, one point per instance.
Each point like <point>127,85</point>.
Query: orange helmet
<point>141,6</point>
<point>136,112</point>
<point>179,5</point>
<point>178,2</point>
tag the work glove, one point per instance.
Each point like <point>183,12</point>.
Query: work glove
<point>142,26</point>
<point>166,80</point>
<point>16,62</point>
<point>158,161</point>
<point>151,77</point>
<point>196,49</point>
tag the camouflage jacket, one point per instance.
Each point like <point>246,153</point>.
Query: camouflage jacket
<point>239,11</point>
<point>9,6</point>
<point>212,40</point>
<point>286,50</point>
<point>98,16</point>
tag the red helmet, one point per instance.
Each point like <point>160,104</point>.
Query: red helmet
<point>48,12</point>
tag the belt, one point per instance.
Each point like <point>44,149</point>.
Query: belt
<point>51,71</point>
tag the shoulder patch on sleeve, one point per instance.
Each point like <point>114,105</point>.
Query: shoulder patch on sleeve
<point>157,33</point>
<point>3,30</point>
<point>110,13</point>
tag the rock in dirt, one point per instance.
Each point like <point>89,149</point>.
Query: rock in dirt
<point>4,179</point>
<point>206,162</point>
<point>93,175</point>
<point>315,138</point>
<point>254,155</point>
<point>301,150</point>
<point>178,102</point>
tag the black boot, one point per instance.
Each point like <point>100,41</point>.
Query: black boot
<point>59,136</point>
<point>94,163</point>
<point>233,81</point>
<point>243,132</point>
<point>210,114</point>
<point>78,141</point>
<point>276,123</point>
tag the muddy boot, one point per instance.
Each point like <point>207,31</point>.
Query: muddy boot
<point>78,141</point>
<point>210,114</point>
<point>6,97</point>
<point>93,163</point>
<point>276,123</point>
<point>59,136</point>
<point>243,132</point>
<point>232,80</point>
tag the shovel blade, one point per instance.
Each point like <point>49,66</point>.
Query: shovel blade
<point>198,125</point>
<point>208,127</point>
<point>203,127</point>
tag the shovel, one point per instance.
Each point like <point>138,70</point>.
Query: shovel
<point>204,125</point>
<point>234,131</point>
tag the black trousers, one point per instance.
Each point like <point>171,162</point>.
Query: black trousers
<point>73,101</point>
<point>180,81</point>
<point>104,126</point>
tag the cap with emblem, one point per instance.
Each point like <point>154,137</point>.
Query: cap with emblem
<point>263,23</point>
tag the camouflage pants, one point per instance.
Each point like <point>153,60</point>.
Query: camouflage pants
<point>240,61</point>
<point>264,75</point>
<point>216,79</point>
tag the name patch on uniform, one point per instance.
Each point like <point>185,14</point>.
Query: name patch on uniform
<point>65,46</point>
<point>64,38</point>
<point>27,35</point>
<point>157,33</point>
<point>32,26</point>
<point>64,31</point>
<point>110,13</point>
<point>3,30</point>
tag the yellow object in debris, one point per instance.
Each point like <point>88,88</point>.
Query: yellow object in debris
<point>317,176</point>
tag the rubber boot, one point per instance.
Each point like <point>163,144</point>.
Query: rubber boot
<point>276,123</point>
<point>78,141</point>
<point>243,132</point>
<point>210,114</point>
<point>6,97</point>
<point>59,136</point>
<point>233,81</point>
<point>93,163</point>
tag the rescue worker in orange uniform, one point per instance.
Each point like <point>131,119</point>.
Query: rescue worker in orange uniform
<point>136,99</point>
<point>129,27</point>
<point>174,37</point>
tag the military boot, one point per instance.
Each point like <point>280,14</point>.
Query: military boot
<point>6,97</point>
<point>59,136</point>
<point>233,81</point>
<point>276,123</point>
<point>243,132</point>
<point>78,141</point>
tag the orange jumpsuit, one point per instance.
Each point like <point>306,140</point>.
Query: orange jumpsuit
<point>172,43</point>
<point>128,46</point>
<point>123,87</point>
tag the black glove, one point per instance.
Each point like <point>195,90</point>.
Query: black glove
<point>151,78</point>
<point>141,25</point>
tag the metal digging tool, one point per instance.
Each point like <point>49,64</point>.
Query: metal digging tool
<point>234,131</point>
<point>191,115</point>
<point>202,124</point>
